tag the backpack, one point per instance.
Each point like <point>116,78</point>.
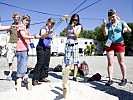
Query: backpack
<point>96,77</point>
<point>83,68</point>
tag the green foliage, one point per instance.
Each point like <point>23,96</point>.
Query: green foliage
<point>1,47</point>
<point>128,40</point>
<point>63,32</point>
<point>99,33</point>
<point>88,34</point>
<point>90,49</point>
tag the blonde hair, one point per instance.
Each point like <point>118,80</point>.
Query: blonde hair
<point>15,14</point>
<point>28,18</point>
<point>50,20</point>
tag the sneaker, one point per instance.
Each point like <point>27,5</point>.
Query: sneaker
<point>75,79</point>
<point>110,82</point>
<point>123,82</point>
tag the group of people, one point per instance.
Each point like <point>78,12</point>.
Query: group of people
<point>18,38</point>
<point>18,41</point>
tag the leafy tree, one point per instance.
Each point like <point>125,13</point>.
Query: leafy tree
<point>99,33</point>
<point>88,34</point>
<point>128,40</point>
<point>90,49</point>
<point>63,32</point>
<point>83,34</point>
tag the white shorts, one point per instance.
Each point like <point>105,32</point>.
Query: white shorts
<point>11,52</point>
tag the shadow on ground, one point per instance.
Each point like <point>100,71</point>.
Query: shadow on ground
<point>55,75</point>
<point>121,94</point>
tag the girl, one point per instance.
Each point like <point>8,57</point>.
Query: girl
<point>43,53</point>
<point>71,48</point>
<point>115,44</point>
<point>23,47</point>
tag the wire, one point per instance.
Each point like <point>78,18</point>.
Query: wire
<point>92,18</point>
<point>6,20</point>
<point>78,6</point>
<point>28,9</point>
<point>37,23</point>
<point>81,10</point>
<point>89,6</point>
<point>45,19</point>
<point>58,23</point>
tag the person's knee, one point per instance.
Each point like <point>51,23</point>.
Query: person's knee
<point>121,63</point>
<point>110,63</point>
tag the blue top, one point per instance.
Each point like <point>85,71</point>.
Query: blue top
<point>115,33</point>
<point>46,42</point>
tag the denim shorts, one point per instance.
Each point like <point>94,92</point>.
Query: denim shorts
<point>22,61</point>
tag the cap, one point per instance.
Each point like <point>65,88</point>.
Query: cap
<point>111,12</point>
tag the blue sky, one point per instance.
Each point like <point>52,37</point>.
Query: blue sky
<point>94,13</point>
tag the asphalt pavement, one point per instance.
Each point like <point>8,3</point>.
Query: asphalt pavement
<point>78,90</point>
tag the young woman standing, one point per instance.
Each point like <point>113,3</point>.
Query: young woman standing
<point>115,44</point>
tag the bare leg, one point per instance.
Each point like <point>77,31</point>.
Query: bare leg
<point>110,57</point>
<point>120,57</point>
<point>10,69</point>
<point>75,69</point>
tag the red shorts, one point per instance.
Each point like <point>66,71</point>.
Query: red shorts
<point>116,47</point>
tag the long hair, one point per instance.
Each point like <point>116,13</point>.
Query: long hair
<point>27,17</point>
<point>75,16</point>
<point>50,20</point>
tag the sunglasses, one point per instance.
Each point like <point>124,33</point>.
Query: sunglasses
<point>75,20</point>
<point>28,20</point>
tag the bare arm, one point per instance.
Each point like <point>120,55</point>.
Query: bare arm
<point>44,34</point>
<point>105,30</point>
<point>26,36</point>
<point>3,28</point>
<point>7,39</point>
<point>126,28</point>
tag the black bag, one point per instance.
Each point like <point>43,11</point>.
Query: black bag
<point>96,77</point>
<point>58,68</point>
<point>83,68</point>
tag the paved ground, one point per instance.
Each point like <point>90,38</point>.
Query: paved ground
<point>79,90</point>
